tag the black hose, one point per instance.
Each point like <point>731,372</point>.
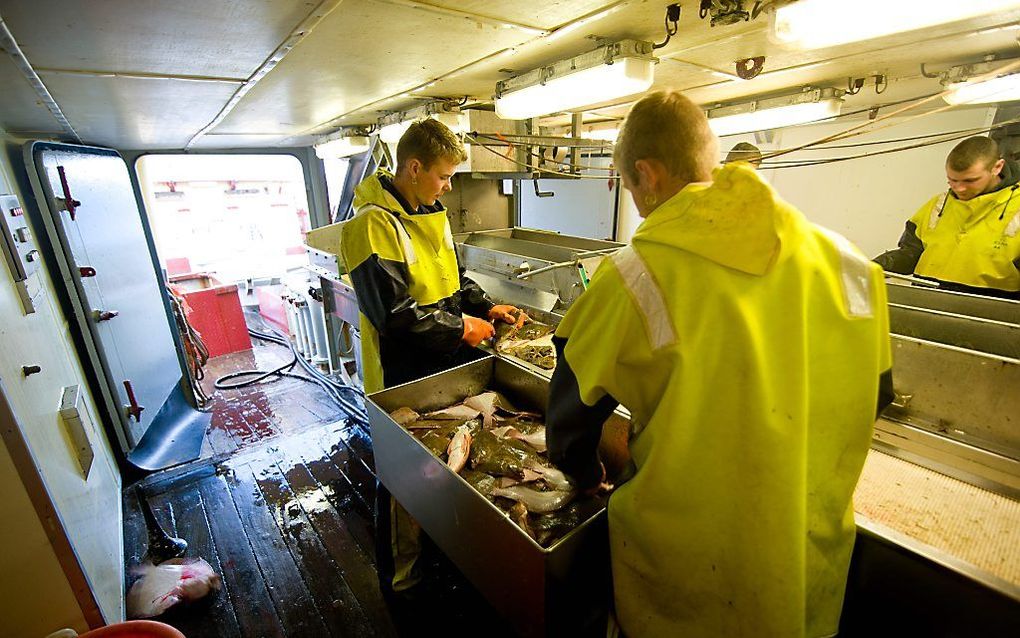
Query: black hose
<point>330,386</point>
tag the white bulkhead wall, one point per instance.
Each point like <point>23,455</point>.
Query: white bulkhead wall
<point>38,593</point>
<point>867,200</point>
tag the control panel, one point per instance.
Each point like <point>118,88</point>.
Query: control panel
<point>19,247</point>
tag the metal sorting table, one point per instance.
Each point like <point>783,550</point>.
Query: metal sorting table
<point>552,591</point>
<point>942,481</point>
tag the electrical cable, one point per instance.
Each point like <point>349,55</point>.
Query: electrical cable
<point>545,170</point>
<point>831,160</point>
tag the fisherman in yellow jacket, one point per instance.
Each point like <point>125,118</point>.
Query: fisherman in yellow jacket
<point>419,313</point>
<point>967,238</point>
<point>752,350</point>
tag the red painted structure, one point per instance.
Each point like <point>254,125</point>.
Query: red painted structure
<point>215,312</point>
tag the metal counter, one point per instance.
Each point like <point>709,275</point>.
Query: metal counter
<point>553,591</point>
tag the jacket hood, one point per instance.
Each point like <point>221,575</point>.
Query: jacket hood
<point>737,220</point>
<point>1010,174</point>
<point>372,191</point>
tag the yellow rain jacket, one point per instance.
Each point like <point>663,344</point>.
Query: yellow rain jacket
<point>975,243</point>
<point>747,344</point>
<point>411,291</point>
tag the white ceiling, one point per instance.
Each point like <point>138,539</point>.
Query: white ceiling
<point>141,74</point>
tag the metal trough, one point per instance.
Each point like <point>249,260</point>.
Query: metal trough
<point>556,591</point>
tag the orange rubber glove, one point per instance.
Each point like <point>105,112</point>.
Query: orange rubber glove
<point>477,330</point>
<point>508,314</point>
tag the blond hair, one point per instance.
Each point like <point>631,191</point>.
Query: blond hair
<point>971,151</point>
<point>427,141</point>
<point>668,127</point>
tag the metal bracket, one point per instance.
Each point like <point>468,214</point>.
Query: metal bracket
<point>133,409</point>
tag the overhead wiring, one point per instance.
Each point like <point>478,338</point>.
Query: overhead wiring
<point>943,138</point>
<point>539,169</point>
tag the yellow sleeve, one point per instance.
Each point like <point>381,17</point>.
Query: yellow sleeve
<point>605,339</point>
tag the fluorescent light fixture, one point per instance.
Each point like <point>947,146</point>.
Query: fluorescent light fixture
<point>812,24</point>
<point>393,126</point>
<point>342,147</point>
<point>608,72</point>
<point>1001,89</point>
<point>777,112</point>
<point>608,134</point>
<point>391,133</point>
<point>456,121</point>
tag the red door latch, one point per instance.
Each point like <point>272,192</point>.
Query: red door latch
<point>87,271</point>
<point>104,315</point>
<point>70,203</point>
<point>133,409</point>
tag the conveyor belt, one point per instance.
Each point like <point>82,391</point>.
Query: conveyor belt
<point>960,521</point>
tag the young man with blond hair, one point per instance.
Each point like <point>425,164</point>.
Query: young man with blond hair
<point>968,238</point>
<point>419,313</point>
<point>752,350</point>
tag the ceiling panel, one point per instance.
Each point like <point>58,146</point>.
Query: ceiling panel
<point>250,141</point>
<point>20,109</point>
<point>356,56</point>
<point>131,113</point>
<point>225,38</point>
<point>545,14</point>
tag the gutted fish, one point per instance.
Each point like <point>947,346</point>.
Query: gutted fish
<point>535,500</point>
<point>459,449</point>
<point>459,412</point>
<point>552,476</point>
<point>501,457</point>
<point>519,515</point>
<point>535,439</point>
<point>481,481</point>
<point>403,416</point>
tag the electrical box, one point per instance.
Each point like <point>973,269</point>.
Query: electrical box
<point>20,250</point>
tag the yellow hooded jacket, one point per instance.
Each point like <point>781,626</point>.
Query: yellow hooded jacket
<point>411,291</point>
<point>747,344</point>
<point>975,242</point>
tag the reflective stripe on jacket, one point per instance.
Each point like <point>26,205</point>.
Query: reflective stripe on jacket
<point>410,288</point>
<point>747,345</point>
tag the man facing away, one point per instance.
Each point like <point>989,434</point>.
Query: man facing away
<point>968,238</point>
<point>750,347</point>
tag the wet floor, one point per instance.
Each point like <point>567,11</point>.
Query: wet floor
<point>281,508</point>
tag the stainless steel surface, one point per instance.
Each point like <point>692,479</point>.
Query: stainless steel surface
<point>955,302</point>
<point>960,410</point>
<point>322,259</point>
<point>974,465</point>
<point>497,258</point>
<point>541,591</point>
<point>974,333</point>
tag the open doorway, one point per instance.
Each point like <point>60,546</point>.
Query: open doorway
<point>229,233</point>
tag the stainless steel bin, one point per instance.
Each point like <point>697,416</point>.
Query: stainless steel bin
<point>555,591</point>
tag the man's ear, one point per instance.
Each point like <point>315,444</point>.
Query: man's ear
<point>648,174</point>
<point>997,168</point>
<point>414,167</point>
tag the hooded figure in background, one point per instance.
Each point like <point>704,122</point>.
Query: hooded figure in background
<point>968,238</point>
<point>752,350</point>
<point>419,313</point>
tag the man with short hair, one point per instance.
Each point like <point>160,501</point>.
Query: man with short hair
<point>968,238</point>
<point>412,295</point>
<point>751,348</point>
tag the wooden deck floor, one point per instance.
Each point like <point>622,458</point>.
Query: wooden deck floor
<point>281,508</point>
